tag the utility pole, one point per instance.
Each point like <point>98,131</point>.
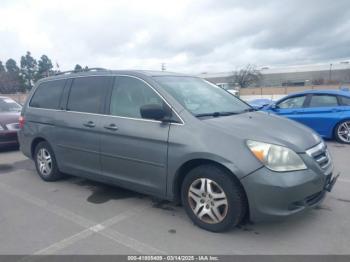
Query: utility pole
<point>163,67</point>
<point>330,72</point>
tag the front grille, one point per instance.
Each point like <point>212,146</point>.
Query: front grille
<point>313,199</point>
<point>321,155</point>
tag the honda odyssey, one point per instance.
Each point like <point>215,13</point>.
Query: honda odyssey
<point>176,137</point>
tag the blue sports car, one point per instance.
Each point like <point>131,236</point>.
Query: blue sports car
<point>325,111</point>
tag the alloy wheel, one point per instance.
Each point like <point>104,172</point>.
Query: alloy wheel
<point>344,132</point>
<point>208,200</point>
<point>44,161</point>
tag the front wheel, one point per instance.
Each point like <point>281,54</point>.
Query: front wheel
<point>342,132</point>
<point>212,199</point>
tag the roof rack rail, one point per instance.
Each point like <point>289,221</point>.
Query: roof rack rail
<point>82,70</point>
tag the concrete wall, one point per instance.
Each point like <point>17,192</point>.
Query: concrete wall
<point>283,90</point>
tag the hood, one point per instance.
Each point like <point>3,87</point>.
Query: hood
<point>9,117</point>
<point>269,128</point>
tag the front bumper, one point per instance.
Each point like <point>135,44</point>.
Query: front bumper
<point>8,138</point>
<point>273,195</point>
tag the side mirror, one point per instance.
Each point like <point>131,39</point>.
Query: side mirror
<point>274,107</point>
<point>153,111</point>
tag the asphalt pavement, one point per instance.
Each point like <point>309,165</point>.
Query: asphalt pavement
<point>78,216</point>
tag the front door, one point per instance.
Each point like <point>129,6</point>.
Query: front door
<point>291,107</point>
<point>133,149</point>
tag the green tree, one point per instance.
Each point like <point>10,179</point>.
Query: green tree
<point>29,68</point>
<point>12,81</point>
<point>9,83</point>
<point>2,68</point>
<point>78,68</point>
<point>44,67</point>
<point>11,66</point>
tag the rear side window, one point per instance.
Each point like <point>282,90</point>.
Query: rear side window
<point>87,94</point>
<point>48,95</point>
<point>323,101</point>
<point>345,100</point>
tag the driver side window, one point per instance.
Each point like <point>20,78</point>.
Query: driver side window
<point>293,102</point>
<point>129,95</point>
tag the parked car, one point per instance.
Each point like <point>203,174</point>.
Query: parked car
<point>260,103</point>
<point>228,88</point>
<point>178,138</point>
<point>9,114</point>
<point>325,111</point>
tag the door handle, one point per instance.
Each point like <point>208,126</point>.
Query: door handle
<point>89,124</point>
<point>112,127</point>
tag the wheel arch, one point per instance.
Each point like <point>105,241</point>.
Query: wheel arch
<point>193,163</point>
<point>337,124</point>
<point>35,142</point>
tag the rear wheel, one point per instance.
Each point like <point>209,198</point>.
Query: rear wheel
<point>212,199</point>
<point>45,162</point>
<point>342,132</point>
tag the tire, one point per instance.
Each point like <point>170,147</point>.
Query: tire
<point>45,162</point>
<point>342,132</point>
<point>219,209</point>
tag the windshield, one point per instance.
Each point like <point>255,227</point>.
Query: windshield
<point>200,97</point>
<point>9,105</point>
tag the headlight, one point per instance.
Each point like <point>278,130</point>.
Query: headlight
<point>276,158</point>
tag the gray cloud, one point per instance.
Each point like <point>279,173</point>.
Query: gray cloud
<point>190,36</point>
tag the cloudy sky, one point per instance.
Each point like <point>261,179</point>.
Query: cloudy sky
<point>189,36</point>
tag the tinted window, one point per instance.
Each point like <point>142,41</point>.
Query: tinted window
<point>345,100</point>
<point>48,95</point>
<point>9,105</point>
<point>293,102</point>
<point>323,101</point>
<point>129,95</point>
<point>87,94</point>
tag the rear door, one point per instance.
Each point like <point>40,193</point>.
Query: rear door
<point>322,112</point>
<point>77,126</point>
<point>344,104</point>
<point>133,149</point>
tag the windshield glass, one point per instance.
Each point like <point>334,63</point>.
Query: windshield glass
<point>9,105</point>
<point>201,97</point>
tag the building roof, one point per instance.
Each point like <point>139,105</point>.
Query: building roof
<point>287,69</point>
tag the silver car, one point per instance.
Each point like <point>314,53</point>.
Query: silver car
<point>178,138</point>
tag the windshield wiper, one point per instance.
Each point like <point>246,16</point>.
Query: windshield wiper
<point>217,114</point>
<point>249,110</point>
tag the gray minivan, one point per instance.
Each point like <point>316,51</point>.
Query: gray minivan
<point>178,138</point>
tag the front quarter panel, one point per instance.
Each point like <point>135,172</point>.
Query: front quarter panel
<point>198,141</point>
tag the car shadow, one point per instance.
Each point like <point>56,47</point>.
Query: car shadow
<point>7,149</point>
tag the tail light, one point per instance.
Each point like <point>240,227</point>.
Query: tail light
<point>21,122</point>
